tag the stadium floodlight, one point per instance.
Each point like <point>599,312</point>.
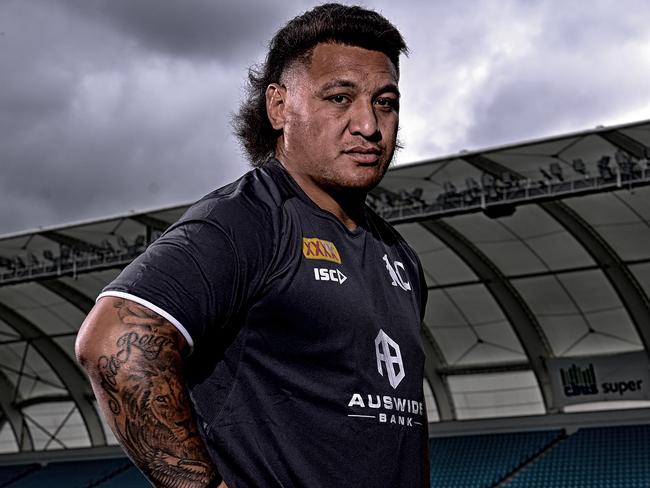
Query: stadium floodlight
<point>507,179</point>
<point>106,246</point>
<point>487,180</point>
<point>416,194</point>
<point>49,255</point>
<point>621,157</point>
<point>628,164</point>
<point>449,188</point>
<point>404,196</point>
<point>65,252</point>
<point>604,169</point>
<point>556,170</point>
<point>122,242</point>
<point>371,199</point>
<point>579,166</point>
<point>411,197</point>
<point>473,189</point>
<point>18,262</point>
<point>472,184</point>
<point>33,260</point>
<point>385,199</point>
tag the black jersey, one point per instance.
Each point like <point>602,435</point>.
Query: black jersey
<point>307,363</point>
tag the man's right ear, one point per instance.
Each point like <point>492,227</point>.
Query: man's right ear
<point>275,104</point>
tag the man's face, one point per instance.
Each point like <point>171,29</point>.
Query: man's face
<point>340,118</point>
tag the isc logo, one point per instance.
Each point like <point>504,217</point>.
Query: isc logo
<point>324,274</point>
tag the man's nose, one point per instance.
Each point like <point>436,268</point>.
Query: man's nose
<point>363,121</point>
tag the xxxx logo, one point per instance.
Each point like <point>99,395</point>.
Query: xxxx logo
<point>315,248</point>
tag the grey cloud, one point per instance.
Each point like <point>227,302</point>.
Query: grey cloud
<point>189,28</point>
<point>574,76</point>
<point>572,26</point>
<point>93,125</point>
<point>523,108</point>
<point>111,105</point>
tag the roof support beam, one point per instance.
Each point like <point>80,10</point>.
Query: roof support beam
<point>153,222</point>
<point>622,280</point>
<point>491,167</point>
<point>13,415</point>
<point>67,371</point>
<point>39,400</point>
<point>434,362</point>
<point>486,368</point>
<point>69,241</point>
<point>69,294</point>
<point>626,143</point>
<point>521,318</point>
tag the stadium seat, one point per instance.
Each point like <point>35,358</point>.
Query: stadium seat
<point>71,474</point>
<point>483,460</point>
<point>10,474</point>
<point>612,457</point>
<point>130,478</point>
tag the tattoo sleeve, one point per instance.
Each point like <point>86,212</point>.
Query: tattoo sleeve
<point>139,384</point>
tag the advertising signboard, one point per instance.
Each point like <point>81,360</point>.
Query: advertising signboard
<point>600,378</point>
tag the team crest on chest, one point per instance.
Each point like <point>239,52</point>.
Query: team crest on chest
<point>397,277</point>
<point>315,248</point>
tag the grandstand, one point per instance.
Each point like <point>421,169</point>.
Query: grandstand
<point>537,330</point>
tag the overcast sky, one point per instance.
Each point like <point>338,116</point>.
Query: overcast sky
<point>113,105</point>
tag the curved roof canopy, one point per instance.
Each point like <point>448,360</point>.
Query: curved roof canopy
<point>531,251</point>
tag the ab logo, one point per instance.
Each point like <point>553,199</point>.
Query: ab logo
<point>388,352</point>
<point>395,276</point>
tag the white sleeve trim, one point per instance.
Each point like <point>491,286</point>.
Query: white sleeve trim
<point>155,308</point>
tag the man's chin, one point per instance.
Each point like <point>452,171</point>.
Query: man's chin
<point>358,185</point>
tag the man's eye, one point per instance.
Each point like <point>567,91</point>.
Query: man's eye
<point>340,99</point>
<point>388,102</point>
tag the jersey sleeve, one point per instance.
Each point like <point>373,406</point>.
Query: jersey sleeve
<point>424,291</point>
<point>200,272</point>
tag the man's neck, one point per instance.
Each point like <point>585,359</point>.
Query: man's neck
<point>348,207</point>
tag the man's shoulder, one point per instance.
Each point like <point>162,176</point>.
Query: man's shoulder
<point>389,234</point>
<point>255,197</point>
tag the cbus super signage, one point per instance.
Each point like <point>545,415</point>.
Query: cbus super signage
<point>600,378</point>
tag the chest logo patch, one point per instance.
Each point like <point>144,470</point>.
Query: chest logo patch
<point>325,274</point>
<point>315,248</point>
<point>388,353</point>
<point>395,275</point>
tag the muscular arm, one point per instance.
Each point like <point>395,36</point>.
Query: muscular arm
<point>132,357</point>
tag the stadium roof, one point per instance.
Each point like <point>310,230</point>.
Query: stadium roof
<point>531,251</point>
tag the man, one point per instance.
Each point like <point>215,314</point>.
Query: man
<point>287,310</point>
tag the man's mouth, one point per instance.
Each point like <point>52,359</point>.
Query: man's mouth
<point>364,154</point>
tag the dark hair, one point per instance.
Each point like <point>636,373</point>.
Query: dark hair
<point>330,22</point>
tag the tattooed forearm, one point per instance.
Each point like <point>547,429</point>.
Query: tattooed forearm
<point>149,344</point>
<point>142,385</point>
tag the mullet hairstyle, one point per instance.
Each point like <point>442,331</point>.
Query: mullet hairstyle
<point>330,22</point>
